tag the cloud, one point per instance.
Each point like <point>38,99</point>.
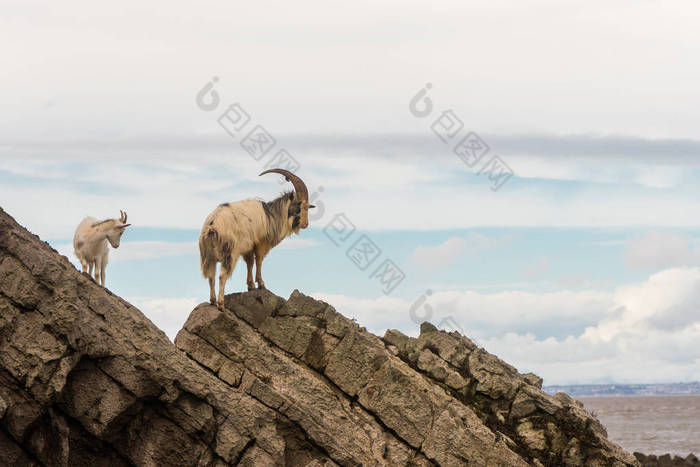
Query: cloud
<point>669,300</point>
<point>644,332</point>
<point>439,256</point>
<point>559,75</point>
<point>595,150</point>
<point>131,251</point>
<point>483,315</point>
<point>558,314</point>
<point>602,150</point>
<point>377,315</point>
<point>650,337</point>
<point>435,257</point>
<point>169,314</point>
<point>50,192</point>
<point>659,250</point>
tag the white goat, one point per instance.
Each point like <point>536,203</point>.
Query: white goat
<point>90,243</point>
<point>250,228</point>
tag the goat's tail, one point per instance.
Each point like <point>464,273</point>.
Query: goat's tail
<point>208,241</point>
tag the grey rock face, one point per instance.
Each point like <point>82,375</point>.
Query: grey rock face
<point>86,379</point>
<point>551,430</point>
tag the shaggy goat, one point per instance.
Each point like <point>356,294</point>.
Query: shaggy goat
<point>90,243</point>
<point>250,228</point>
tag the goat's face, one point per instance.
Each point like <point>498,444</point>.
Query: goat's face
<point>115,234</point>
<point>298,215</point>
<point>304,215</point>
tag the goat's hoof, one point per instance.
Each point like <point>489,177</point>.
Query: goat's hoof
<point>262,287</point>
<point>220,306</point>
<point>212,301</point>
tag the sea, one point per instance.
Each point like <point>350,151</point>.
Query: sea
<point>651,424</point>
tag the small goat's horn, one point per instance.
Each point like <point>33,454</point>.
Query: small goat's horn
<point>122,217</point>
<point>299,185</point>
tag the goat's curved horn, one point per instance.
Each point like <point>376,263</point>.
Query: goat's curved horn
<point>299,185</point>
<point>122,216</point>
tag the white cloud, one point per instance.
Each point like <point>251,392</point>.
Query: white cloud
<point>600,170</point>
<point>668,300</point>
<point>482,314</point>
<point>169,314</point>
<point>149,79</point>
<point>424,196</point>
<point>659,250</point>
<point>646,332</point>
<point>129,251</point>
<point>434,257</point>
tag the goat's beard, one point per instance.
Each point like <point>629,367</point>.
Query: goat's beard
<point>296,225</point>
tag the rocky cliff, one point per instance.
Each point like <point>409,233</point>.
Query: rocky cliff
<point>87,379</point>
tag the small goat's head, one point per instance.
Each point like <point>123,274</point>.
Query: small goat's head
<point>298,212</point>
<point>115,233</point>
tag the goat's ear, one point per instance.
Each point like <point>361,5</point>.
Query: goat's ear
<point>124,226</point>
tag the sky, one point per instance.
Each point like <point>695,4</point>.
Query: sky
<point>524,173</point>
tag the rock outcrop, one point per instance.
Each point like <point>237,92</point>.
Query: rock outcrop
<point>87,379</point>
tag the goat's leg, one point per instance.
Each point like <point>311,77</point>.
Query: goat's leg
<point>98,271</point>
<point>227,267</point>
<point>222,284</point>
<point>260,253</point>
<point>91,268</point>
<point>249,260</point>
<point>212,290</point>
<point>103,268</point>
<point>209,271</point>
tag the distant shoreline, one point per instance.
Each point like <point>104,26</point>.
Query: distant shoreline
<point>597,390</point>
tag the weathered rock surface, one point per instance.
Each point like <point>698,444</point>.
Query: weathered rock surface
<point>551,430</point>
<point>86,379</point>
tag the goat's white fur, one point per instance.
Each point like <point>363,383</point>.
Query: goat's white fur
<point>90,244</point>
